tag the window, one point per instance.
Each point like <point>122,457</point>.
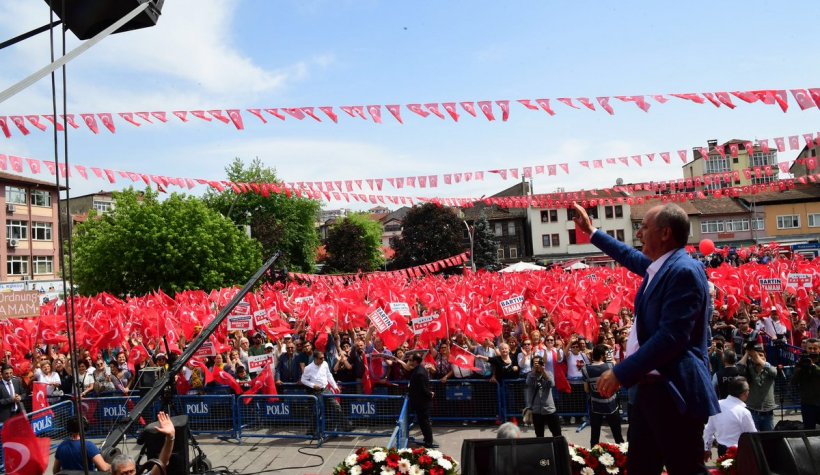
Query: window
<point>41,231</point>
<point>619,235</point>
<point>500,253</point>
<point>550,240</point>
<point>592,212</point>
<point>103,206</point>
<point>616,211</point>
<point>43,264</point>
<point>513,252</point>
<point>40,198</point>
<point>758,224</point>
<point>717,165</point>
<point>15,195</point>
<point>571,234</point>
<point>760,159</point>
<point>392,228</point>
<point>498,231</point>
<point>17,265</point>
<point>608,213</point>
<point>788,221</point>
<point>611,233</point>
<point>814,220</point>
<point>712,226</point>
<point>549,216</point>
<point>511,229</point>
<point>16,229</point>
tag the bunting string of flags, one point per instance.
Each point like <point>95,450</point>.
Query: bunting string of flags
<point>409,272</point>
<point>807,98</point>
<point>348,190</point>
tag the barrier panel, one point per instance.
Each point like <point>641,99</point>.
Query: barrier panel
<point>103,413</point>
<point>400,436</point>
<point>465,400</point>
<point>359,414</point>
<point>208,414</point>
<point>282,416</point>
<point>786,394</point>
<point>48,422</point>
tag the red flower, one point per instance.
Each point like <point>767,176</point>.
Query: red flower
<point>393,461</point>
<point>436,471</point>
<point>361,450</point>
<point>419,451</point>
<point>367,466</point>
<point>592,462</point>
<point>362,457</point>
<point>425,460</point>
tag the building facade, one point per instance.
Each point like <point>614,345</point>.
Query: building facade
<point>32,249</point>
<point>509,225</point>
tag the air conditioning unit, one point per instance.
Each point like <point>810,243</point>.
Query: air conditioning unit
<point>12,242</point>
<point>10,207</point>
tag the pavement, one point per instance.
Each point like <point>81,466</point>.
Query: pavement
<point>298,457</point>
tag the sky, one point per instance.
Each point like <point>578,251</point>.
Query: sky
<point>239,54</point>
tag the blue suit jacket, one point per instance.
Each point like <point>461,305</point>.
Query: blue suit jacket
<point>673,326</point>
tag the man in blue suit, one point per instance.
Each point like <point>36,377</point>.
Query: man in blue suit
<point>667,348</point>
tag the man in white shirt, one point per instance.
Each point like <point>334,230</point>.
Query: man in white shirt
<point>319,380</point>
<point>734,419</point>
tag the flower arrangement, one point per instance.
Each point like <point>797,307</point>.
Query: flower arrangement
<point>725,464</point>
<point>603,459</point>
<point>382,461</point>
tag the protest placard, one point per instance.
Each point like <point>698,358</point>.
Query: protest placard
<point>380,320</point>
<point>512,306</point>
<point>771,285</point>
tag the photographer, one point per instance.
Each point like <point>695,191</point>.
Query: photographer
<point>807,378</point>
<point>761,377</point>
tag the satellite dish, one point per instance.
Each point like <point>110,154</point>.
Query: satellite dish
<point>619,181</point>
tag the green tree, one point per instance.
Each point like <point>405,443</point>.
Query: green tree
<point>354,244</point>
<point>144,244</point>
<point>278,222</point>
<point>429,233</point>
<point>485,247</point>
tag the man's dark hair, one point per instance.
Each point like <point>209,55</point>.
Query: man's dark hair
<point>599,352</point>
<point>73,425</point>
<point>674,217</point>
<point>417,358</point>
<point>729,357</point>
<point>719,338</point>
<point>5,367</point>
<point>738,386</point>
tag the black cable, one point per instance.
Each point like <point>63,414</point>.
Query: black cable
<point>321,462</point>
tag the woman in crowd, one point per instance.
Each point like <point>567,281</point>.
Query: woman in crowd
<point>63,369</point>
<point>87,378</point>
<point>525,357</point>
<point>444,369</point>
<point>119,378</point>
<point>538,398</point>
<point>504,367</point>
<point>399,369</point>
<point>102,379</point>
<point>44,374</point>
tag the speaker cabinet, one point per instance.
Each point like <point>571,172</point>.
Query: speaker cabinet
<point>779,453</point>
<point>153,440</point>
<point>86,18</point>
<point>533,456</point>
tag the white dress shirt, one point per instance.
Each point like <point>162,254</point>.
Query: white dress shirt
<point>314,375</point>
<point>727,425</point>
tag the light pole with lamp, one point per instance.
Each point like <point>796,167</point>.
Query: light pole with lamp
<point>470,231</point>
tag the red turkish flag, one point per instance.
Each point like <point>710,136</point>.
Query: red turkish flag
<point>35,121</point>
<point>199,114</point>
<point>794,142</point>
<point>581,237</point>
<point>110,175</point>
<point>20,123</point>
<point>39,396</point>
<point>375,112</point>
<point>16,163</point>
<point>34,165</point>
<point>604,102</point>
<point>91,122</point>
<point>224,378</point>
<point>545,104</point>
<point>564,167</point>
<point>469,107</point>
<point>258,113</point>
<point>781,144</point>
<point>711,98</point>
<point>462,358</point>
<point>416,108</point>
<point>218,115</point>
<point>160,116</point>
<point>3,162</point>
<point>395,110</point>
<point>733,149</point>
<point>433,108</point>
<point>56,124</point>
<point>275,112</point>
<point>725,99</point>
<point>550,170</point>
<point>328,110</point>
<point>585,101</point>
<point>567,101</point>
<point>23,452</point>
<point>108,121</point>
<point>487,108</point>
<point>4,126</point>
<point>309,112</point>
<point>505,109</point>
<point>236,118</point>
<point>294,112</point>
<point>70,121</point>
<point>181,115</point>
<point>450,107</point>
<point>803,99</point>
<point>129,117</point>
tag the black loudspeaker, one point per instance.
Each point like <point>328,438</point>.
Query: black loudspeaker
<point>86,18</point>
<point>779,453</point>
<point>537,456</point>
<point>153,440</point>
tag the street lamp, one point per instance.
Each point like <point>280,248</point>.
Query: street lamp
<point>470,231</point>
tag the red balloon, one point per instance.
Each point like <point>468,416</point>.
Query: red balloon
<point>706,247</point>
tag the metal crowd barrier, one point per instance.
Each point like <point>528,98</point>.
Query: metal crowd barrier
<point>104,413</point>
<point>208,414</point>
<point>399,437</point>
<point>363,414</point>
<point>287,416</point>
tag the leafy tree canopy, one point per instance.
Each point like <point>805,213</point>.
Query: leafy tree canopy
<point>174,245</point>
<point>429,233</point>
<point>354,244</point>
<point>277,222</point>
